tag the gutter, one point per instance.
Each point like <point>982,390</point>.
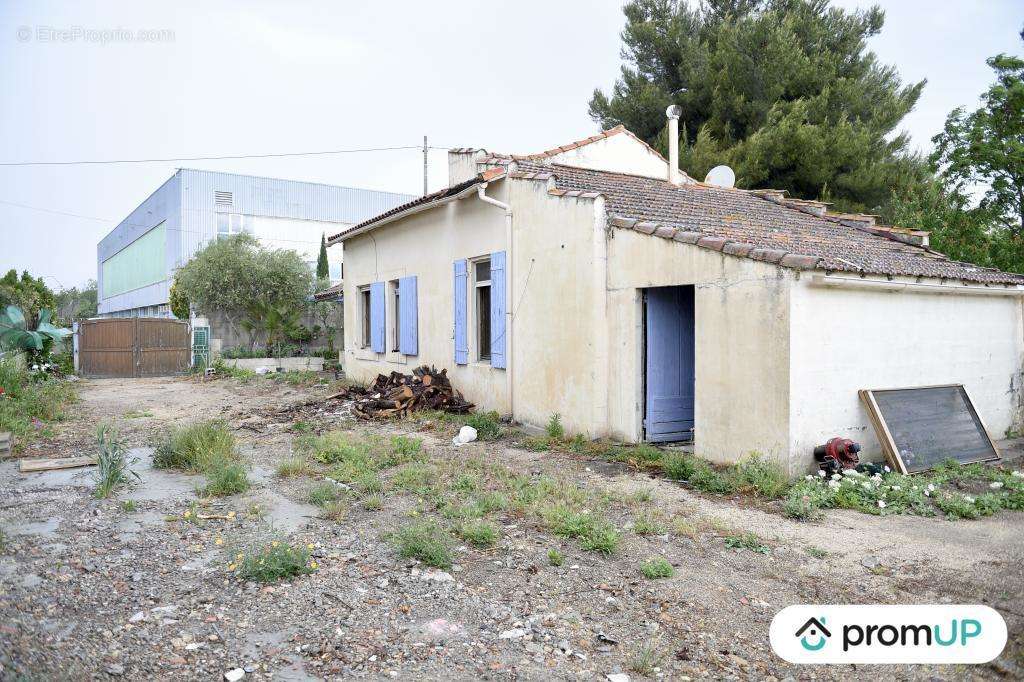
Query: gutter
<point>821,280</point>
<point>403,214</point>
<point>509,288</point>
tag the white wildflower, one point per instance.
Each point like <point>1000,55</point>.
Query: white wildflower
<point>836,477</point>
<point>896,487</point>
<point>995,484</point>
<point>931,487</point>
<point>835,485</point>
<point>927,493</point>
<point>1017,474</point>
<point>809,477</point>
<point>881,504</point>
<point>821,472</point>
<point>969,499</point>
<point>886,469</point>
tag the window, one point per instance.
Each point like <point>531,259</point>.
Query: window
<point>482,286</point>
<point>233,223</point>
<point>396,315</point>
<point>364,310</point>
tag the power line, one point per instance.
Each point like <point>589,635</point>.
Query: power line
<point>93,162</point>
<point>169,229</point>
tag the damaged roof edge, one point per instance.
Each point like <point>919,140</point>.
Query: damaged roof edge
<point>794,261</point>
<point>423,203</point>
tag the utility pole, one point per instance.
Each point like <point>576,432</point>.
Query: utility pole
<point>424,165</point>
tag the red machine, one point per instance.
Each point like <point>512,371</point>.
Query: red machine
<point>837,454</point>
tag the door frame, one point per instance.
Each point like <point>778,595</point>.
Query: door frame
<point>642,414</point>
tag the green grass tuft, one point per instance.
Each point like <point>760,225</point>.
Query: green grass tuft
<point>224,478</point>
<point>271,560</point>
<point>487,425</point>
<point>655,568</point>
<point>112,470</point>
<point>425,541</point>
<point>746,541</point>
<point>323,494</point>
<point>555,557</point>
<point>480,534</point>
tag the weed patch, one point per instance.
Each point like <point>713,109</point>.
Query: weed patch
<point>323,494</point>
<point>194,446</point>
<point>293,466</point>
<point>487,425</point>
<point>644,660</point>
<point>648,523</point>
<point>555,557</point>
<point>273,560</point>
<point>425,541</point>
<point>480,534</point>
<point>373,502</point>
<point>655,568</point>
<point>554,428</point>
<point>28,405</point>
<point>224,477</point>
<point>112,470</point>
<point>748,541</point>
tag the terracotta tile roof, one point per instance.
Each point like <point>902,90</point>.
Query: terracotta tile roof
<point>440,195</point>
<point>760,225</point>
<point>506,159</point>
<point>330,293</point>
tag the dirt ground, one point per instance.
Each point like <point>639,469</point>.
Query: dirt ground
<point>89,590</point>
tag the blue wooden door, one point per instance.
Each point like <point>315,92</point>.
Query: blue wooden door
<point>669,364</point>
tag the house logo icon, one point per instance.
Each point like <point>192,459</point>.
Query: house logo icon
<point>813,634</point>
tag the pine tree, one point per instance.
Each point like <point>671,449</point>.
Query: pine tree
<point>784,91</point>
<point>323,271</point>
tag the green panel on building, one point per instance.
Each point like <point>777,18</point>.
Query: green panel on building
<point>141,263</point>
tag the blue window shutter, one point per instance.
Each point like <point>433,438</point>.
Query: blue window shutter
<point>461,286</point>
<point>377,317</point>
<point>408,344</point>
<point>498,309</point>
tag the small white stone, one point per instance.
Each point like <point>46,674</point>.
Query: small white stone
<point>234,675</point>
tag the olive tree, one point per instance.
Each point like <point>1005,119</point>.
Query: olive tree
<point>236,277</point>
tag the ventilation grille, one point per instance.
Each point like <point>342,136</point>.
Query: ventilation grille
<point>223,198</point>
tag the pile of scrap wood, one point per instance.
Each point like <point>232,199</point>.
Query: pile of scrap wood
<point>397,394</point>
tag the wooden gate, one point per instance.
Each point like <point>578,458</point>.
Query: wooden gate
<point>133,347</point>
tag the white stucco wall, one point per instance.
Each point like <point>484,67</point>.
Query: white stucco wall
<point>298,235</point>
<point>426,245</point>
<point>741,344</point>
<point>844,340</point>
<point>620,153</point>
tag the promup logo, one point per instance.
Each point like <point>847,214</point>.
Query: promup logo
<point>888,634</point>
<point>816,632</point>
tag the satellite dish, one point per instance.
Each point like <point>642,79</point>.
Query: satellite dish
<point>721,176</point>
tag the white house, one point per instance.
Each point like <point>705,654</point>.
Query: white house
<point>597,281</point>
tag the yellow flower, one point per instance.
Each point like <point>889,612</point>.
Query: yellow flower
<point>187,514</point>
<point>220,541</point>
<point>239,557</point>
<point>231,567</point>
<point>310,545</point>
<point>313,565</point>
<point>275,543</point>
<point>231,514</point>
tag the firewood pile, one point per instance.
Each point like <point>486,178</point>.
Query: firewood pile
<point>397,394</point>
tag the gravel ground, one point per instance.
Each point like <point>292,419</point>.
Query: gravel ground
<point>89,590</point>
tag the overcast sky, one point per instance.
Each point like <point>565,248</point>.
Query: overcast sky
<point>264,77</point>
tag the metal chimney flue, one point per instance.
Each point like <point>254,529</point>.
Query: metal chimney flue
<point>673,113</point>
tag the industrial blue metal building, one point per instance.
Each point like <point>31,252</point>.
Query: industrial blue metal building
<point>136,261</point>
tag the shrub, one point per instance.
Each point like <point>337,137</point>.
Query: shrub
<point>554,429</point>
<point>195,446</point>
<point>479,533</point>
<point>268,561</point>
<point>657,567</point>
<point>111,466</point>
<point>27,406</point>
<point>555,557</point>
<point>425,541</point>
<point>487,425</point>
<point>323,494</point>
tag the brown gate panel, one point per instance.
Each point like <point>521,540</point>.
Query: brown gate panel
<point>163,347</point>
<point>132,347</point>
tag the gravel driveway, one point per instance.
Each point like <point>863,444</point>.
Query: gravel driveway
<point>91,589</point>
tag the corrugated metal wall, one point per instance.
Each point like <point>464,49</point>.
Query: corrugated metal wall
<point>187,203</point>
